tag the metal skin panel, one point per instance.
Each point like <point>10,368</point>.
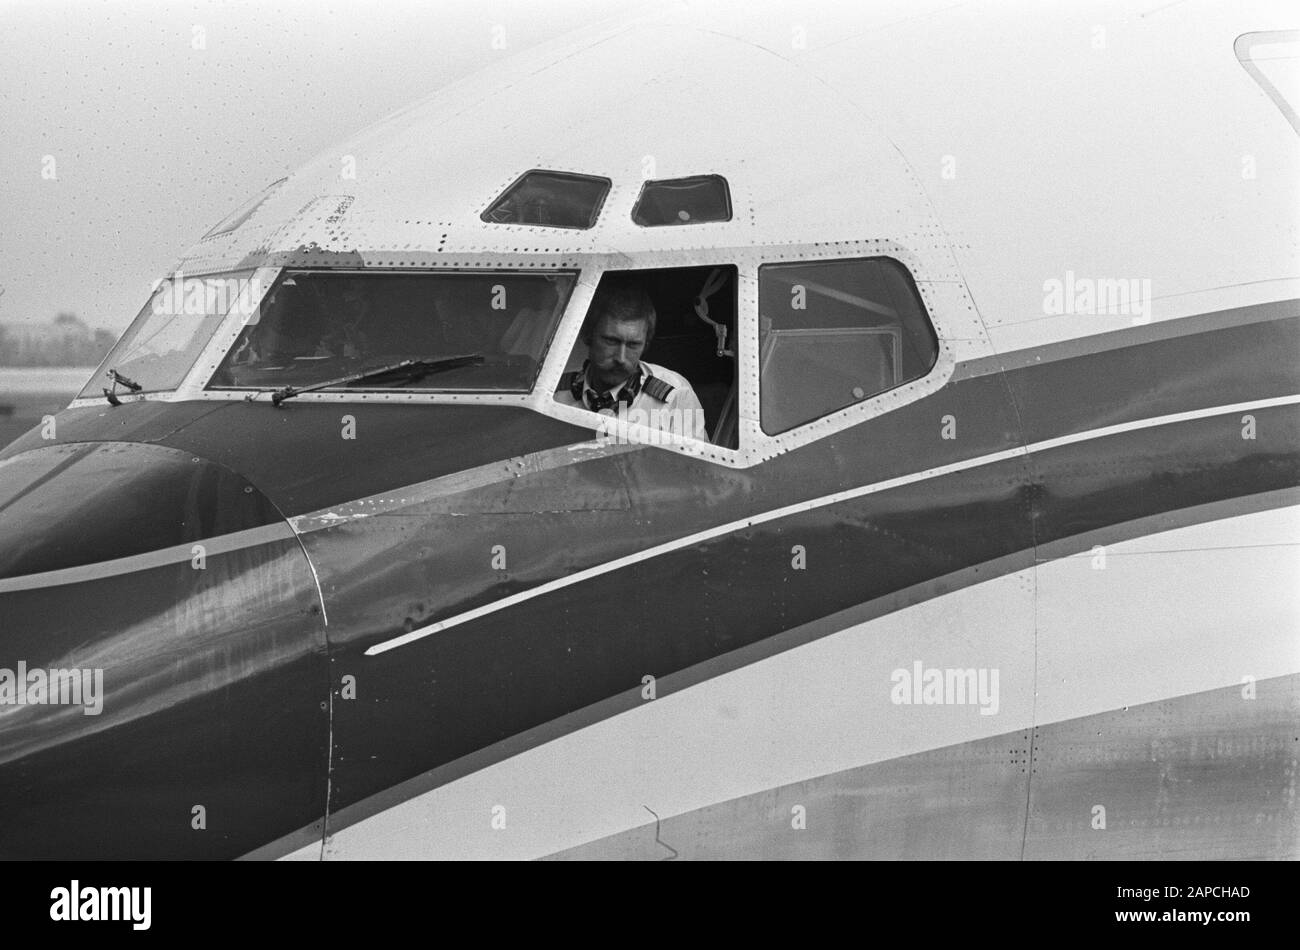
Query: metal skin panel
<point>813,699</point>
<point>527,665</point>
<point>214,694</point>
<point>1133,380</point>
<point>53,495</point>
<point>138,421</point>
<point>1183,777</point>
<point>522,667</point>
<point>1201,774</point>
<point>299,455</point>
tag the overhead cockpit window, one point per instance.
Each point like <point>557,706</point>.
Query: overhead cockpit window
<point>245,211</point>
<point>166,337</point>
<point>834,333</point>
<point>550,199</point>
<point>695,200</point>
<point>470,331</point>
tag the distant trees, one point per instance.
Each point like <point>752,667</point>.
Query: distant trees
<point>65,341</point>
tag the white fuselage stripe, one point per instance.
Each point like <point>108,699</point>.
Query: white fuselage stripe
<point>176,554</point>
<point>814,503</point>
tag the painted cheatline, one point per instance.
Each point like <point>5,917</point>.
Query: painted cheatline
<point>814,503</point>
<point>177,554</point>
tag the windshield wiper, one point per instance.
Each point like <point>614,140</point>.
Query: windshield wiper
<point>117,378</point>
<point>405,371</point>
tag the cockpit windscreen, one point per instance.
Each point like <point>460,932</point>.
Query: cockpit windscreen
<point>164,341</point>
<point>447,331</point>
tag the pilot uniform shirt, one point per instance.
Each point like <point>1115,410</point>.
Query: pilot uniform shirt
<point>652,396</point>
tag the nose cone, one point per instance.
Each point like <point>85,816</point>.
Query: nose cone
<point>162,659</point>
<point>66,506</point>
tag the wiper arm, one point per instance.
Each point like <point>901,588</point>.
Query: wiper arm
<point>117,378</point>
<point>404,371</point>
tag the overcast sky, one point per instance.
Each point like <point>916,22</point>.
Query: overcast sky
<point>154,140</point>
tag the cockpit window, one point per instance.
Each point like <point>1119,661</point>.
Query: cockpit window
<point>163,342</point>
<point>833,333</point>
<point>695,200</point>
<point>657,349</point>
<point>550,199</point>
<point>462,331</point>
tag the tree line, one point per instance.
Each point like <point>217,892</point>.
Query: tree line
<point>69,343</point>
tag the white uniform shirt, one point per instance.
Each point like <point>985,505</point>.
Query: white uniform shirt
<point>681,413</point>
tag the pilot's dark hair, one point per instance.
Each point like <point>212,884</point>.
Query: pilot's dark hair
<point>623,297</point>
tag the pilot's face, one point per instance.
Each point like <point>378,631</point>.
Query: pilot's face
<point>615,351</point>
<point>352,304</point>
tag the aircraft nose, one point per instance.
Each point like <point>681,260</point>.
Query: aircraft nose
<point>65,506</point>
<point>161,658</point>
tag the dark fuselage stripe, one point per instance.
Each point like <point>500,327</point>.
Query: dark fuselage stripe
<point>1160,331</point>
<point>814,503</point>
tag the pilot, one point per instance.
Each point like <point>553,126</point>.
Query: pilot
<point>349,310</point>
<point>614,380</point>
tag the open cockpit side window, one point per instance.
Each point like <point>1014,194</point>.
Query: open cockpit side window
<point>657,348</point>
<point>835,333</point>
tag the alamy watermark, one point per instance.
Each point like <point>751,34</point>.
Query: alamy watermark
<point>933,686</point>
<point>652,426</point>
<point>1098,296</point>
<point>78,902</point>
<point>205,296</point>
<point>53,687</point>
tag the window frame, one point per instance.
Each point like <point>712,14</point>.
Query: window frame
<point>937,295</point>
<point>230,333</point>
<point>897,348</point>
<point>566,339</point>
<point>726,194</point>
<point>254,287</point>
<point>950,310</point>
<point>559,173</point>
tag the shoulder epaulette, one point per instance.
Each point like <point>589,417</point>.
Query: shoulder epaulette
<point>657,388</point>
